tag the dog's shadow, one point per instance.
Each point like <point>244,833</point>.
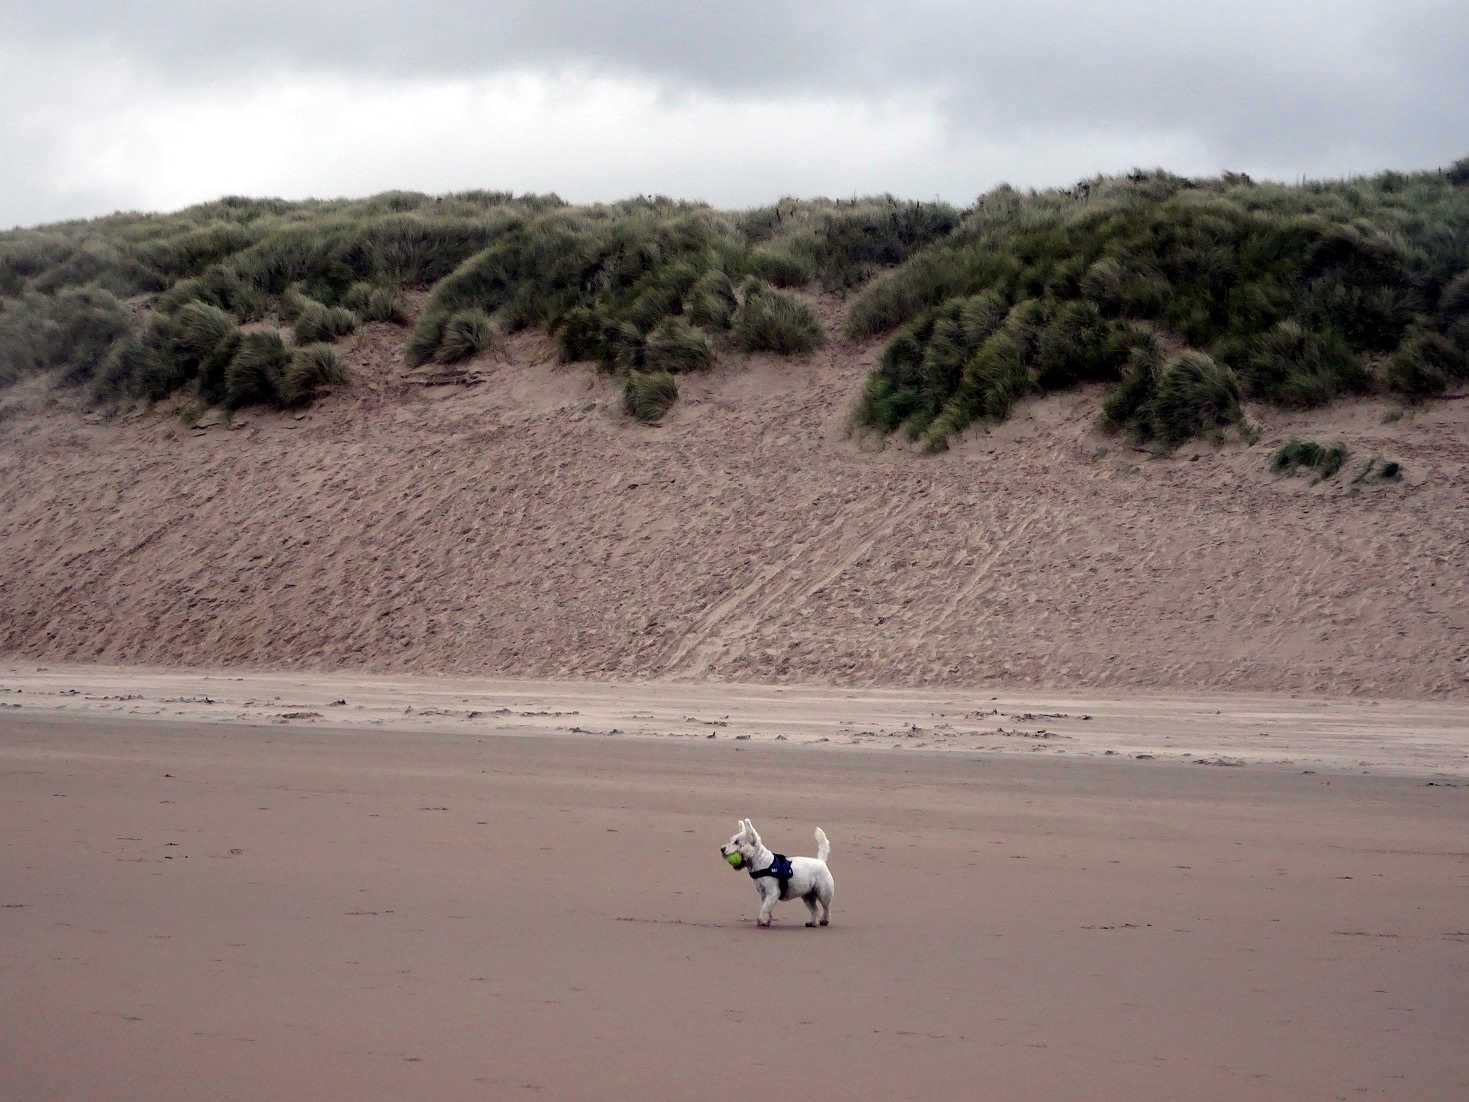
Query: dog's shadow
<point>744,924</point>
<point>676,922</point>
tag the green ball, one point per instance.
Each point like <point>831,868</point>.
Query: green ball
<point>735,860</point>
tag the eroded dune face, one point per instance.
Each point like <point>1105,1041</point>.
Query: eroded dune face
<point>522,525</point>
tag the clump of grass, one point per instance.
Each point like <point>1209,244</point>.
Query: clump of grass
<point>589,334</point>
<point>373,303</point>
<point>1175,401</point>
<point>775,321</point>
<point>1126,409</point>
<point>945,371</point>
<point>163,372</point>
<point>993,381</point>
<point>1377,469</point>
<point>211,377</point>
<point>579,334</point>
<point>69,334</point>
<point>423,342</point>
<point>293,302</point>
<point>928,279</point>
<point>712,300</point>
<point>200,327</point>
<point>1306,455</point>
<point>219,285</point>
<point>189,412</point>
<point>24,254</point>
<point>316,323</point>
<point>93,261</point>
<point>125,371</point>
<point>1194,394</point>
<point>312,368</point>
<point>1426,365</point>
<point>255,373</point>
<point>1074,347</point>
<point>631,264</point>
<point>841,243</point>
<point>779,268</point>
<point>194,248</point>
<point>648,395</point>
<point>676,346</point>
<point>464,335</point>
<point>198,343</point>
<point>1291,365</point>
<point>1453,302</point>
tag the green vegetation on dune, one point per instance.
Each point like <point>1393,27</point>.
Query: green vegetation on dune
<point>648,395</point>
<point>1286,295</point>
<point>1184,298</point>
<point>1306,455</point>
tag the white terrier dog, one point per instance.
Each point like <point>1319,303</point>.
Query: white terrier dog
<point>778,877</point>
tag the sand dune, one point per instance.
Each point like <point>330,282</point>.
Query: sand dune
<point>523,527</point>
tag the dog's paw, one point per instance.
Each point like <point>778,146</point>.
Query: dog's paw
<point>810,925</point>
<point>826,922</point>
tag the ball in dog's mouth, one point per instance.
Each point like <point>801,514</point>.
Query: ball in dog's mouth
<point>736,859</point>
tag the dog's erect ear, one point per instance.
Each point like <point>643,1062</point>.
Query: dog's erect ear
<point>754,834</point>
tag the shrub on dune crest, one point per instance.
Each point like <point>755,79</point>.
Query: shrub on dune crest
<point>1298,291</point>
<point>1297,294</point>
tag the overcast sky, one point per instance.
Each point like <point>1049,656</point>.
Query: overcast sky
<point>156,104</point>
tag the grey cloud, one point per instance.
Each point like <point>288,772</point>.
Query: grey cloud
<point>1244,77</point>
<point>1279,88</point>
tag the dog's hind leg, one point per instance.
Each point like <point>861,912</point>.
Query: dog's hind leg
<point>823,893</point>
<point>810,899</point>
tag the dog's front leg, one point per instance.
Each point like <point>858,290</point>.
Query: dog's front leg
<point>767,903</point>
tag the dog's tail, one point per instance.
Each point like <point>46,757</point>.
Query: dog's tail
<point>823,847</point>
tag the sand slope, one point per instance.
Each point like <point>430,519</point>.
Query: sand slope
<point>524,527</point>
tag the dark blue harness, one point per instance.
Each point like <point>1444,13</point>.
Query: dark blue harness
<point>780,868</point>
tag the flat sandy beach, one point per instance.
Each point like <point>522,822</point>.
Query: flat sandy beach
<point>231,886</point>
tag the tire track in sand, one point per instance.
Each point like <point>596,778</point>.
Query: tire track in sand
<point>788,582</point>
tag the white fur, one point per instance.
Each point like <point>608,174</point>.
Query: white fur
<point>810,878</point>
